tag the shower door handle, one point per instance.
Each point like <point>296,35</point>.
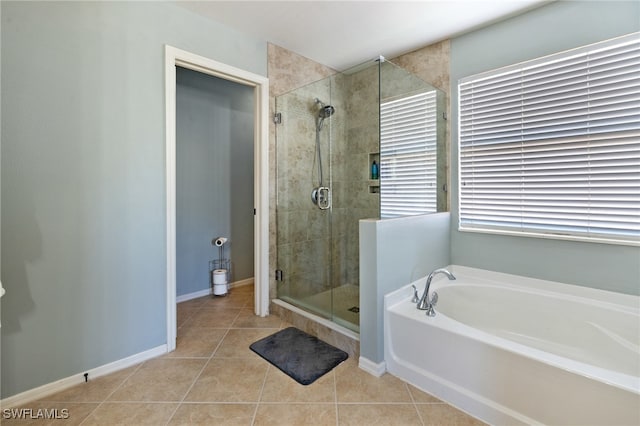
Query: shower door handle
<point>321,196</point>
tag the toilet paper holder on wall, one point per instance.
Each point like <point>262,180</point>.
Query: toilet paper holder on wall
<point>219,242</point>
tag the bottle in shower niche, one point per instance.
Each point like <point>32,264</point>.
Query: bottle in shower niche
<point>374,170</point>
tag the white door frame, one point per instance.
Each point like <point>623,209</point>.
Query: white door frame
<point>176,57</point>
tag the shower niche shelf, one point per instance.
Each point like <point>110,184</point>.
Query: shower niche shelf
<point>373,184</point>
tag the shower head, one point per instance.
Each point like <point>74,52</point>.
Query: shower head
<point>326,111</point>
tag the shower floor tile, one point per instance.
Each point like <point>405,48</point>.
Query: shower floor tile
<point>345,300</point>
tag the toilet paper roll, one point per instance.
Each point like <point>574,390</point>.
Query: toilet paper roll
<point>219,276</point>
<point>219,242</point>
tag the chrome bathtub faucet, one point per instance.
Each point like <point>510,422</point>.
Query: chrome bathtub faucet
<point>425,303</point>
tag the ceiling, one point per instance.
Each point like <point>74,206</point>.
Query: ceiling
<point>341,34</point>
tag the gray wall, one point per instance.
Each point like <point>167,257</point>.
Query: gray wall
<point>555,27</point>
<point>394,253</point>
<point>83,178</point>
<point>214,177</point>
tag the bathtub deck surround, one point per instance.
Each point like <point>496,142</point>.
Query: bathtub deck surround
<point>525,351</point>
<point>214,378</point>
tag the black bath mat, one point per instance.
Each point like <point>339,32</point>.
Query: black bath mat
<point>303,357</point>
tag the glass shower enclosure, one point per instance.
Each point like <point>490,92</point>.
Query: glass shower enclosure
<point>327,140</point>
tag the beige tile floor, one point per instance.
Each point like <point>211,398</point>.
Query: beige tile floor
<point>213,378</point>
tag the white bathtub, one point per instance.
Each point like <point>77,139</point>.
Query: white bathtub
<point>514,350</point>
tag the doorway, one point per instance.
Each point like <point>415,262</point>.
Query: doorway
<point>179,58</point>
<point>214,182</point>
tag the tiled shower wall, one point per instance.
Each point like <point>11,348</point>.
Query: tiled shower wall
<point>287,71</point>
<point>431,63</point>
<point>361,140</point>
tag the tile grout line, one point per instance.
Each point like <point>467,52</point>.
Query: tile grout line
<point>201,370</point>
<point>264,381</point>
<point>196,309</point>
<point>200,373</point>
<point>335,394</point>
<point>175,410</point>
<point>259,399</point>
<point>386,403</point>
<point>111,393</point>
<point>415,407</point>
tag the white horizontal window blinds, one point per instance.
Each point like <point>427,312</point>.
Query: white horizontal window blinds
<point>553,146</point>
<point>408,135</point>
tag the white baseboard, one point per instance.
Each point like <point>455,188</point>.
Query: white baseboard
<point>63,384</point>
<point>371,367</point>
<point>194,295</point>
<point>207,291</point>
<point>246,281</point>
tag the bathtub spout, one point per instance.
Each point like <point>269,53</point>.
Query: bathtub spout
<point>425,303</point>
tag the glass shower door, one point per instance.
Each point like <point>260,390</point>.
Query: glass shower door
<point>304,198</point>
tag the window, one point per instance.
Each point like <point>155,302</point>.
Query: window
<point>408,160</point>
<point>551,147</point>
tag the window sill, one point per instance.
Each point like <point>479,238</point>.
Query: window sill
<point>598,240</point>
